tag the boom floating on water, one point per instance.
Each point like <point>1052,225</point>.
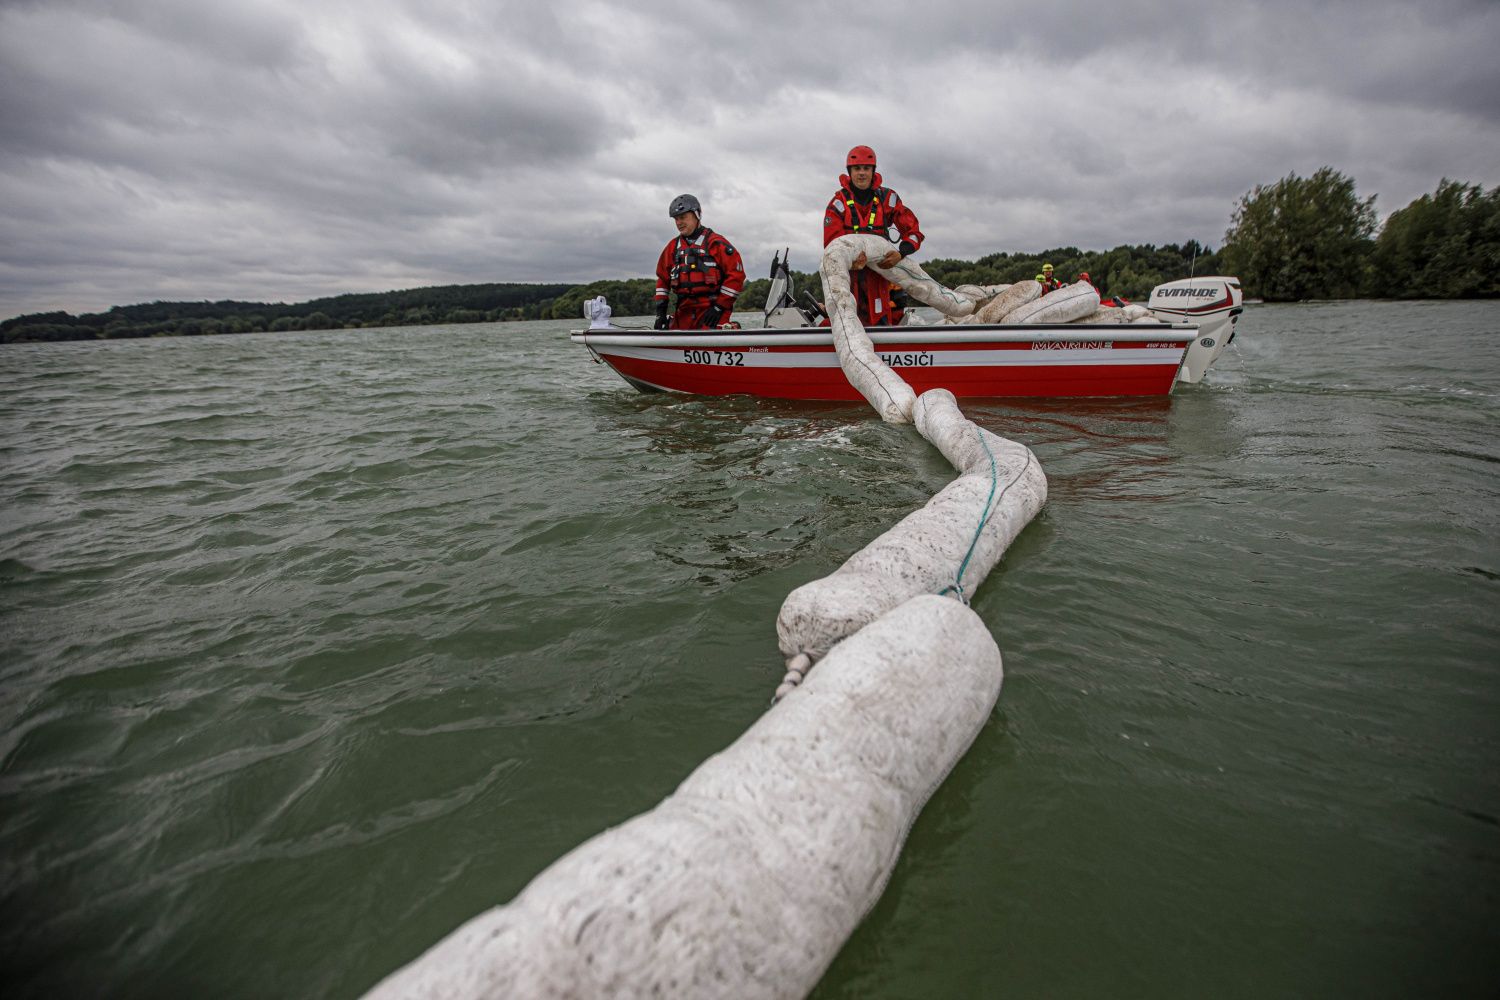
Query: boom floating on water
<point>746,881</point>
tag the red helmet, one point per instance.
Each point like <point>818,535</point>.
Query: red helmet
<point>862,156</point>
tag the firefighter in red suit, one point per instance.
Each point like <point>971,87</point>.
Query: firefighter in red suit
<point>863,205</point>
<point>701,268</point>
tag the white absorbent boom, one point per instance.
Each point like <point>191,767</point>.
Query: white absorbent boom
<point>1000,488</point>
<point>948,546</point>
<point>745,882</point>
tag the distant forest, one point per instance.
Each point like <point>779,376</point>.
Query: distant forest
<point>1300,238</point>
<point>411,307</point>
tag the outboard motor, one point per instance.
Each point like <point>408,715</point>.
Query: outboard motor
<point>782,311</point>
<point>1214,304</point>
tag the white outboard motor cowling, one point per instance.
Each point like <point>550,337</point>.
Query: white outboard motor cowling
<point>1214,303</point>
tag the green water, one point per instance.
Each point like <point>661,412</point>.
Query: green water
<point>315,645</point>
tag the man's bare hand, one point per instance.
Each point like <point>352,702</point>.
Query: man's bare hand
<point>859,261</point>
<point>891,259</point>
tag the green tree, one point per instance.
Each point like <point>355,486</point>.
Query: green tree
<point>1300,238</point>
<point>1443,245</point>
<point>632,297</point>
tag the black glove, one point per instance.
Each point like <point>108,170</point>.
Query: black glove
<point>712,317</point>
<point>907,248</point>
<point>661,315</point>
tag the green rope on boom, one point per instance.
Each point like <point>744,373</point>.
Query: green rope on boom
<point>957,586</point>
<point>958,582</point>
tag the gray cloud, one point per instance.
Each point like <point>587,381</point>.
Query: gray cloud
<point>210,148</point>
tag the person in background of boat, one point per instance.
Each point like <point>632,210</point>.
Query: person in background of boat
<point>701,267</point>
<point>864,205</point>
<point>1049,283</point>
<point>1103,299</point>
<point>899,301</point>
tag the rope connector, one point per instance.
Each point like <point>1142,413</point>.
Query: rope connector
<point>796,669</point>
<point>957,589</point>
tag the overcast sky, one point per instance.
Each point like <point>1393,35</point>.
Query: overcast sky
<point>282,150</point>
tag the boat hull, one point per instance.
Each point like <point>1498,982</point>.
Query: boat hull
<point>969,361</point>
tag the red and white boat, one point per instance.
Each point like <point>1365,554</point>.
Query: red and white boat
<point>1060,360</point>
<point>792,359</point>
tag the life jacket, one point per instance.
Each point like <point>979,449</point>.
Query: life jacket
<point>694,271</point>
<point>872,218</point>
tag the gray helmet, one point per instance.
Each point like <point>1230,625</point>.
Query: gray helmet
<point>685,203</point>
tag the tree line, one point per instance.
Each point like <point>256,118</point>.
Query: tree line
<point>1299,238</point>
<point>489,303</point>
